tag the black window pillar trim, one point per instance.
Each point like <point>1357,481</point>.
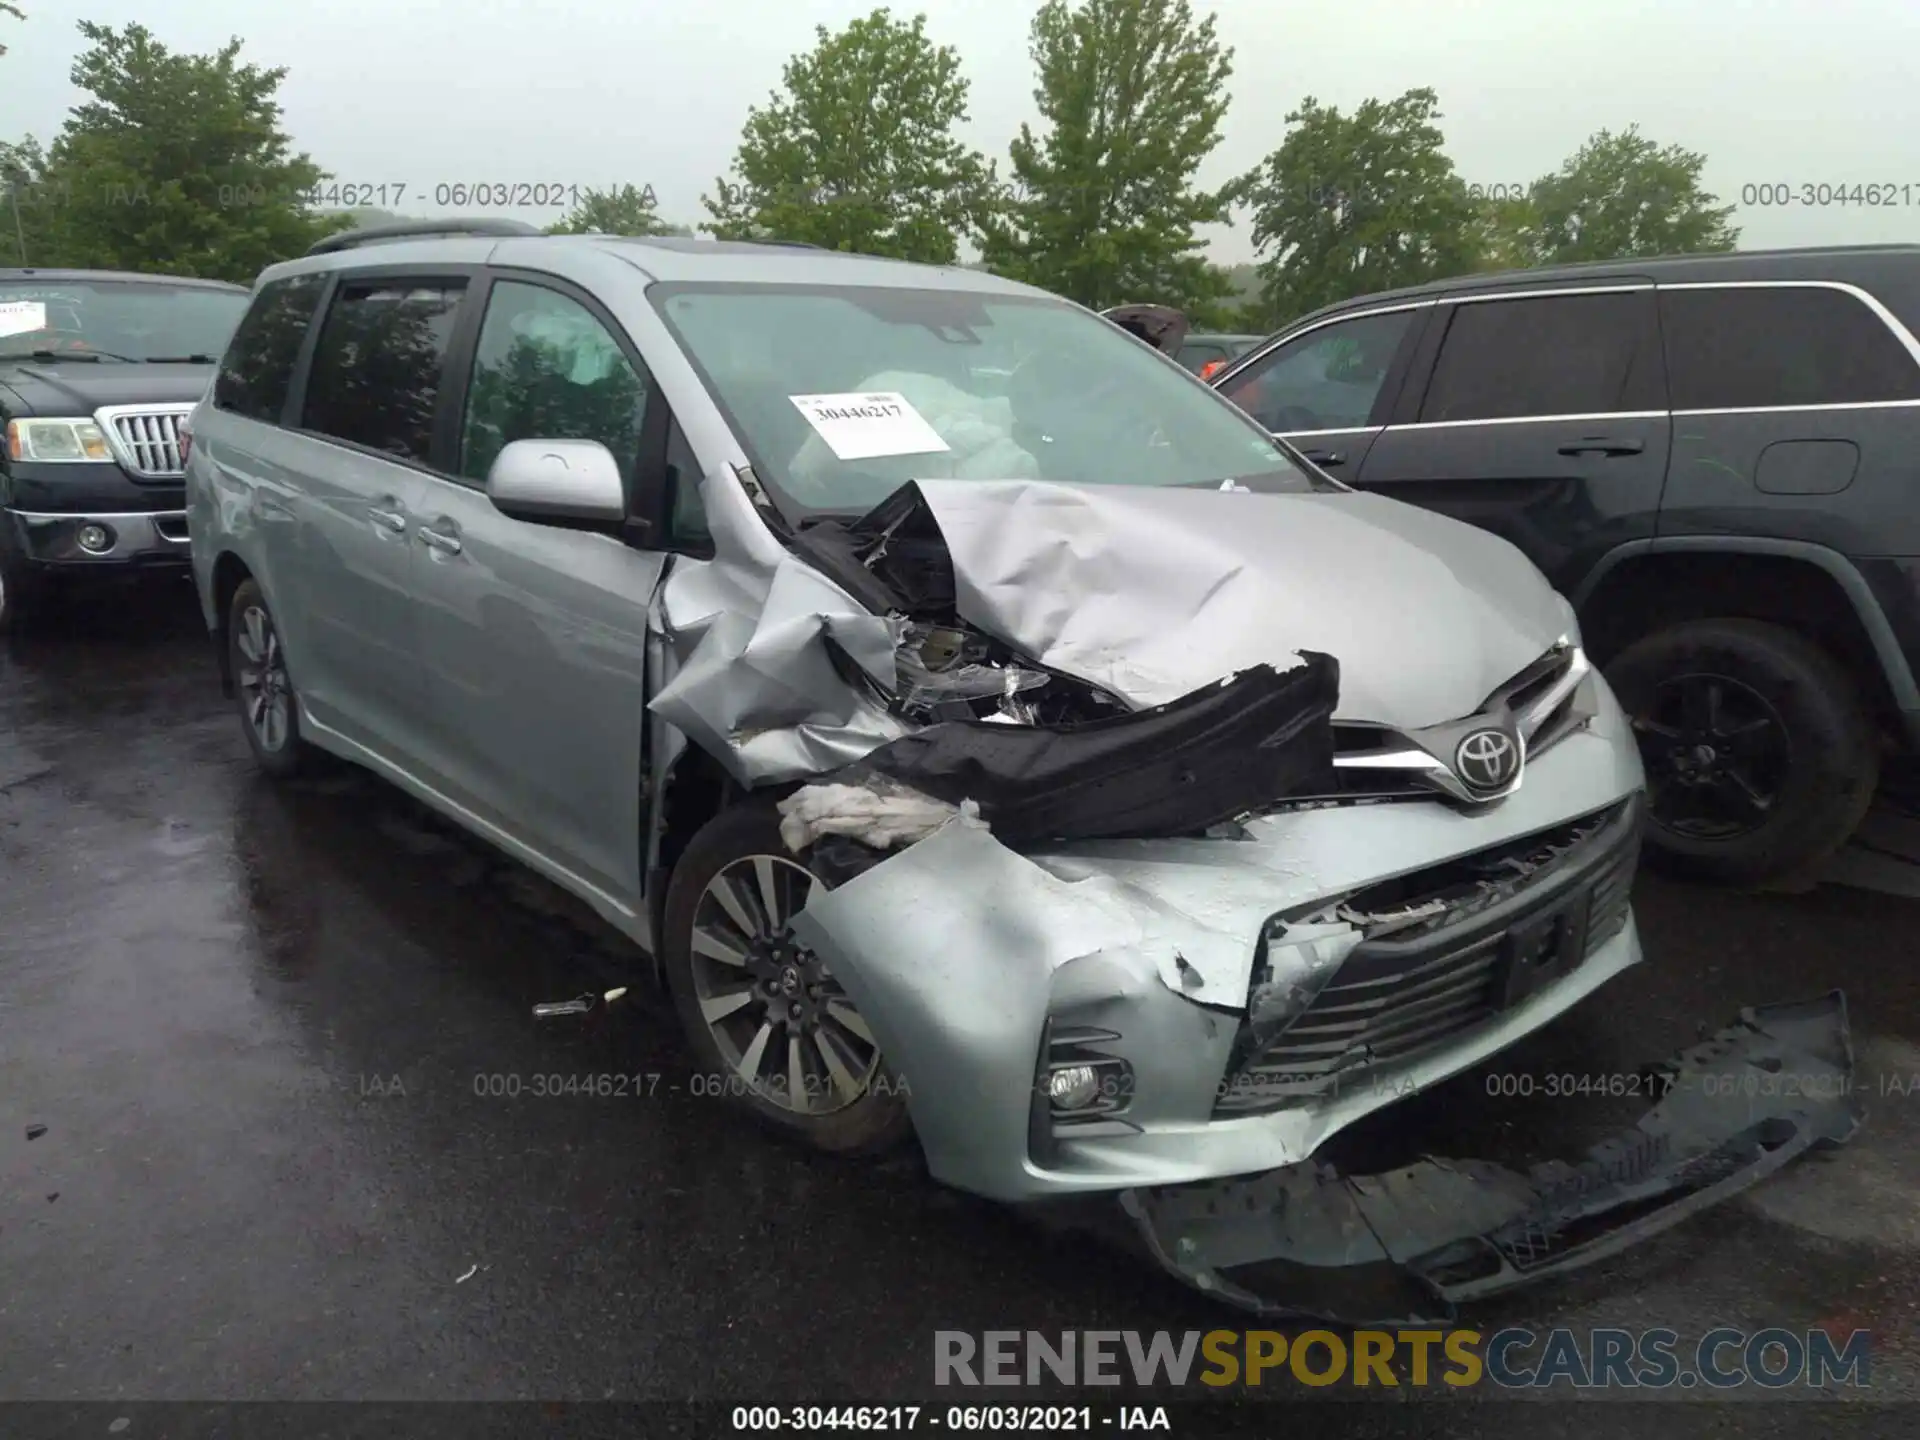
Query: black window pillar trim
<point>294,402</point>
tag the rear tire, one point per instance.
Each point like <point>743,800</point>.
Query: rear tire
<point>1761,755</point>
<point>775,1027</point>
<point>269,710</point>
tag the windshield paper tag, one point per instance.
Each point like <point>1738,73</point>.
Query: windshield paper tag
<point>864,427</point>
<point>23,317</point>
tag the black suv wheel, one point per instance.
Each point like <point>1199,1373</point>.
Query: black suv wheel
<point>1761,756</point>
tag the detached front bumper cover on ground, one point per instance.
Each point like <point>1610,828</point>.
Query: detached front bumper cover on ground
<point>1412,1245</point>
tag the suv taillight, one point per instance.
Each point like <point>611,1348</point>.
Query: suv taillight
<point>1211,368</point>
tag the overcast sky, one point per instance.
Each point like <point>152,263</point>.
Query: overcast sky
<point>428,92</point>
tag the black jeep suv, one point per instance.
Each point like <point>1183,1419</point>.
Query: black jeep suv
<point>1716,458</point>
<point>97,372</point>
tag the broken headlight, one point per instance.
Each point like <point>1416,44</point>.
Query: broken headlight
<point>945,672</point>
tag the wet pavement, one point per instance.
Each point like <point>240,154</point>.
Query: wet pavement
<point>294,1145</point>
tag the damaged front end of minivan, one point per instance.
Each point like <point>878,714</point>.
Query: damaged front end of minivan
<point>1115,900</point>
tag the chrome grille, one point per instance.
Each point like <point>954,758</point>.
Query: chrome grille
<point>1539,707</point>
<point>1424,985</point>
<point>148,440</point>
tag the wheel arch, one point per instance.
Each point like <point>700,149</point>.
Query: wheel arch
<point>229,573</point>
<point>693,787</point>
<point>1810,589</point>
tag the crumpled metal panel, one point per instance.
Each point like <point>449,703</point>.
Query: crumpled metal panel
<point>1307,1240</point>
<point>753,683</point>
<point>1151,593</point>
<point>956,949</point>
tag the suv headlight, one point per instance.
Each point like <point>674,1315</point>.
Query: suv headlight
<point>78,440</point>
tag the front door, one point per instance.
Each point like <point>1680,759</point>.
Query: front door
<point>1324,390</point>
<point>533,637</point>
<point>1542,418</point>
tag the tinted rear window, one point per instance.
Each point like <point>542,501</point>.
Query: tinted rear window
<point>377,367</point>
<point>1557,355</point>
<point>258,366</point>
<point>1785,345</point>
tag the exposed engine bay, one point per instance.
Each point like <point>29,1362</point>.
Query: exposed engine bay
<point>1044,755</point>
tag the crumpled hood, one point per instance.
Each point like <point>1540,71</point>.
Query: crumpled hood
<point>1152,593</point>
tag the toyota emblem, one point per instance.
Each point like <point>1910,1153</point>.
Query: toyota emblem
<point>1487,760</point>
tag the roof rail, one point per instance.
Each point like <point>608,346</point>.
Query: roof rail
<point>791,244</point>
<point>420,230</point>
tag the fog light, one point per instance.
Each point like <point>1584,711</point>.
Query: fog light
<point>1073,1087</point>
<point>95,539</point>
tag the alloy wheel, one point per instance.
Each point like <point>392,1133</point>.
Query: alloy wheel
<point>783,1023</point>
<point>262,677</point>
<point>1717,754</point>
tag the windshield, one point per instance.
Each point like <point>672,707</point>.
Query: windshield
<point>841,394</point>
<point>117,320</point>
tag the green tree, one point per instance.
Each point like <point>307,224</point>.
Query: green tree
<point>177,164</point>
<point>1505,233</point>
<point>1621,196</point>
<point>15,11</point>
<point>1103,207</point>
<point>25,202</point>
<point>858,153</point>
<point>1352,203</point>
<point>621,210</point>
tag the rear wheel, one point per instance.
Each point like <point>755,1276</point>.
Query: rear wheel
<point>268,712</point>
<point>770,1026</point>
<point>1761,756</point>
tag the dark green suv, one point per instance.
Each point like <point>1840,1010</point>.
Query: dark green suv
<point>1714,457</point>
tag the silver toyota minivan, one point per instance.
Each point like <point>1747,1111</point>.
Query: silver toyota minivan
<point>992,734</point>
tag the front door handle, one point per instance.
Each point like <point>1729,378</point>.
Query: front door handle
<point>441,540</point>
<point>1603,445</point>
<point>388,519</point>
<point>1325,458</point>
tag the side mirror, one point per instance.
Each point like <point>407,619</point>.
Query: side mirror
<point>549,481</point>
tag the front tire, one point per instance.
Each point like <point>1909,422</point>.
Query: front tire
<point>269,711</point>
<point>770,1028</point>
<point>1760,753</point>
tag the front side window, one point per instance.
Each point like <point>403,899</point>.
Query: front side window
<point>1328,379</point>
<point>1780,346</point>
<point>1555,355</point>
<point>546,369</point>
<point>258,365</point>
<point>376,369</point>
<point>842,394</point>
